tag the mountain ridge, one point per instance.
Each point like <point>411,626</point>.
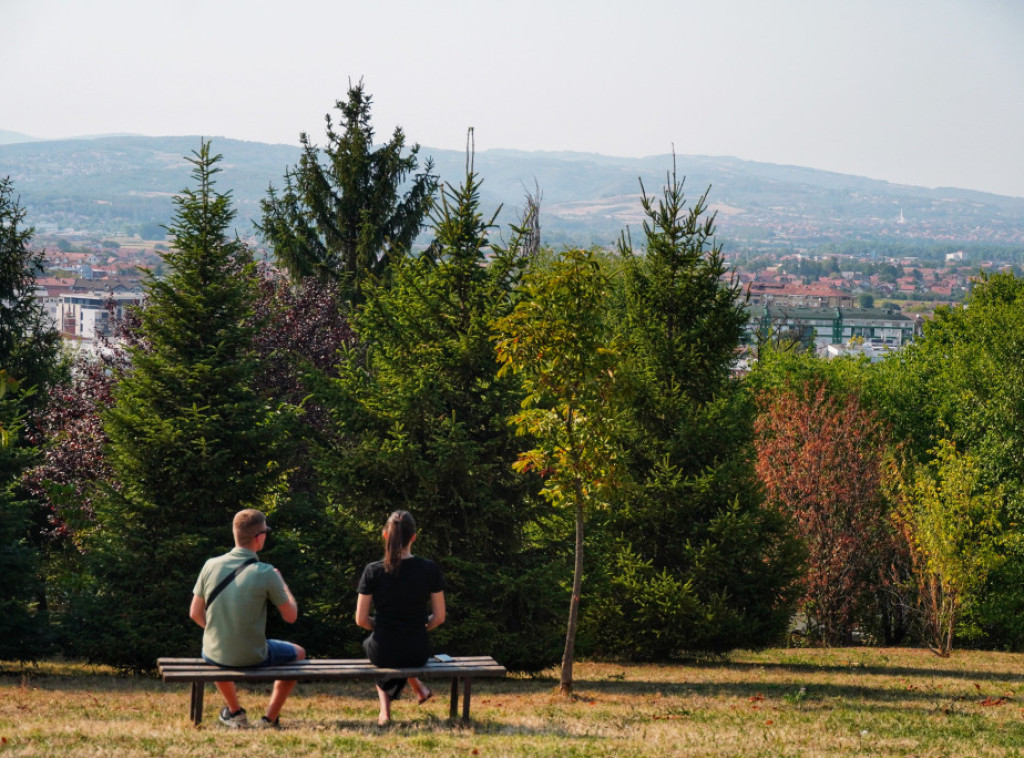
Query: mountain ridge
<point>109,182</point>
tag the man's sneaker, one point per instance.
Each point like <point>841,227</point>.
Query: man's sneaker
<point>265,723</point>
<point>234,720</point>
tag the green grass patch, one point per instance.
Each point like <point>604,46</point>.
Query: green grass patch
<point>806,702</point>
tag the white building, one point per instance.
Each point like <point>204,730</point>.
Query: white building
<point>89,315</point>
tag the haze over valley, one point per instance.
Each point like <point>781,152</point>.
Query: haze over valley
<point>124,185</point>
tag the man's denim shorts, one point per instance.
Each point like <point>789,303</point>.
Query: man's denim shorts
<point>279,652</point>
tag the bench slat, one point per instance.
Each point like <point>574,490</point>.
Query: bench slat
<point>196,669</point>
<point>198,672</point>
<point>267,675</point>
<point>462,659</point>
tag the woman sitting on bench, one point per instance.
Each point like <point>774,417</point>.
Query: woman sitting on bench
<point>400,588</point>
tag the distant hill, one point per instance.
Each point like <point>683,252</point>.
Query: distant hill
<point>117,183</point>
<point>9,138</point>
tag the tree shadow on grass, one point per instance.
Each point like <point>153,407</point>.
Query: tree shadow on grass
<point>806,684</point>
<point>862,669</point>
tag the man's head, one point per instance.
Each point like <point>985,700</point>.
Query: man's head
<point>248,526</point>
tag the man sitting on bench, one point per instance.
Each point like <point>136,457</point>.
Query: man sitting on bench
<point>229,602</point>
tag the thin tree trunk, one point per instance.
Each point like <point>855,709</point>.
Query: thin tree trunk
<point>950,603</point>
<point>565,686</point>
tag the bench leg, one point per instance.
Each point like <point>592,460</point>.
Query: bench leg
<point>453,706</point>
<point>196,704</point>
<point>467,682</point>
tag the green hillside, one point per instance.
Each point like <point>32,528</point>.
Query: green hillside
<point>114,184</point>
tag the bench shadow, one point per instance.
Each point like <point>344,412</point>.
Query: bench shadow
<point>431,726</point>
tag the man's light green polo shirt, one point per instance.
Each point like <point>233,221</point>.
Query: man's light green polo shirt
<point>236,622</point>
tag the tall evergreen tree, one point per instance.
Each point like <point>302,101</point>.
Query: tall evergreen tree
<point>30,345</point>
<point>421,424</point>
<point>697,558</point>
<point>30,360</point>
<point>345,211</point>
<point>305,327</point>
<point>23,628</point>
<point>191,441</point>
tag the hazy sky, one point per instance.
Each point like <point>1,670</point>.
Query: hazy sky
<point>925,92</point>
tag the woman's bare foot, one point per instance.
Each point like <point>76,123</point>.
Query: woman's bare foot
<point>384,717</point>
<point>423,694</point>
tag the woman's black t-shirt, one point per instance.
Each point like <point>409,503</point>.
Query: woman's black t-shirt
<point>402,602</point>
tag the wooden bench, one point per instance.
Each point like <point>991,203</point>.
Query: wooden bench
<point>199,672</point>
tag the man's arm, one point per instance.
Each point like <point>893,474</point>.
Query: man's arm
<point>197,612</point>
<point>289,609</point>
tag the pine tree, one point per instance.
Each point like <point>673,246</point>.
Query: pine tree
<point>30,345</point>
<point>191,441</point>
<point>694,556</point>
<point>345,211</point>
<point>30,360</point>
<point>421,424</point>
<point>23,628</point>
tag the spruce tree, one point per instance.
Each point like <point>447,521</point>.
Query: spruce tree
<point>30,360</point>
<point>421,424</point>
<point>191,441</point>
<point>30,346</point>
<point>346,211</point>
<point>23,627</point>
<point>696,562</point>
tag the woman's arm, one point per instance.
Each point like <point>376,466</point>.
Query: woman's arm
<point>436,617</point>
<point>363,618</point>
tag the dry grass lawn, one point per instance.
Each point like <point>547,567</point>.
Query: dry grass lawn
<point>784,702</point>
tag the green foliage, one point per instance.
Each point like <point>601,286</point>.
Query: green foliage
<point>777,369</point>
<point>30,348</point>
<point>30,360</point>
<point>963,381</point>
<point>643,613</point>
<point>683,313</point>
<point>349,217</point>
<point>23,627</point>
<point>419,422</point>
<point>952,524</point>
<point>558,341</point>
<point>692,516</point>
<point>191,442</point>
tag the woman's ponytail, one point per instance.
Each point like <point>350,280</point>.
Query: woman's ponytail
<point>398,533</point>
